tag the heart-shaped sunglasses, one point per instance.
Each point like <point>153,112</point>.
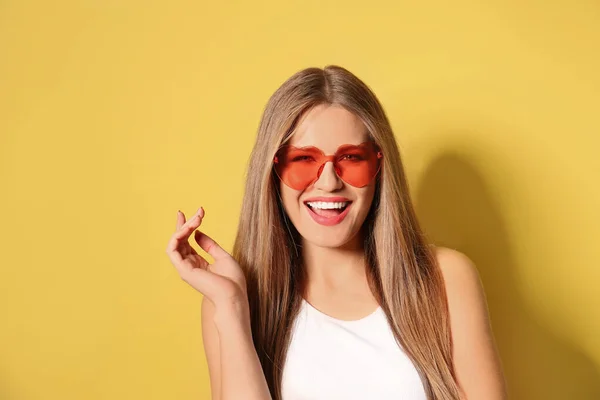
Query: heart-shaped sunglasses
<point>299,167</point>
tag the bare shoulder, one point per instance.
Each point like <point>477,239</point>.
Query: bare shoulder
<point>477,362</point>
<point>464,289</point>
<point>458,270</point>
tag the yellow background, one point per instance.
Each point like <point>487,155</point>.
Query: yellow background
<point>115,114</point>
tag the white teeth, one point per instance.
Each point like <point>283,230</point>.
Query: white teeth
<point>327,205</point>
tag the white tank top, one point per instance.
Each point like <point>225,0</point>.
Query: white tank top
<point>330,359</point>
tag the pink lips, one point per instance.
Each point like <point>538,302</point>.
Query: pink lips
<point>328,221</point>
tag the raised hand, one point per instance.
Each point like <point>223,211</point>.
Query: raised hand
<point>222,282</point>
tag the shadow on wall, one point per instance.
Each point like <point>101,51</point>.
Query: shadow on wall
<point>457,210</point>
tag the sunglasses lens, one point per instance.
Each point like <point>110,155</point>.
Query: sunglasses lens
<point>299,167</point>
<point>358,165</point>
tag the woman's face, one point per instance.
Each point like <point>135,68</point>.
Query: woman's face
<point>327,127</point>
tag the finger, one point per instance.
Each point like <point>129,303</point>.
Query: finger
<point>174,256</point>
<point>184,266</point>
<point>210,246</point>
<point>177,253</point>
<point>180,220</point>
<point>184,233</point>
<point>185,230</point>
<point>201,261</point>
<point>181,217</point>
<point>178,257</point>
<point>198,216</point>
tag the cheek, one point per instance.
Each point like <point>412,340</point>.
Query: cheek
<point>289,197</point>
<point>366,197</point>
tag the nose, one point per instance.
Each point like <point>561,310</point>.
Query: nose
<point>328,180</point>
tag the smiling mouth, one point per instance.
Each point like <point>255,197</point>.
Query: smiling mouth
<point>328,210</point>
<point>328,213</point>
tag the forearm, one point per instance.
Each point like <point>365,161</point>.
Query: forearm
<point>242,376</point>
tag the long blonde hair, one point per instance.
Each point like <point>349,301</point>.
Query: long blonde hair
<point>402,268</point>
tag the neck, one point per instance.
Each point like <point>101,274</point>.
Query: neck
<point>334,268</point>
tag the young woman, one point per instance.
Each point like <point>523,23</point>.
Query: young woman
<point>332,290</point>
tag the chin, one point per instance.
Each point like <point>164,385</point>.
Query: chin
<point>329,236</point>
<point>327,240</point>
